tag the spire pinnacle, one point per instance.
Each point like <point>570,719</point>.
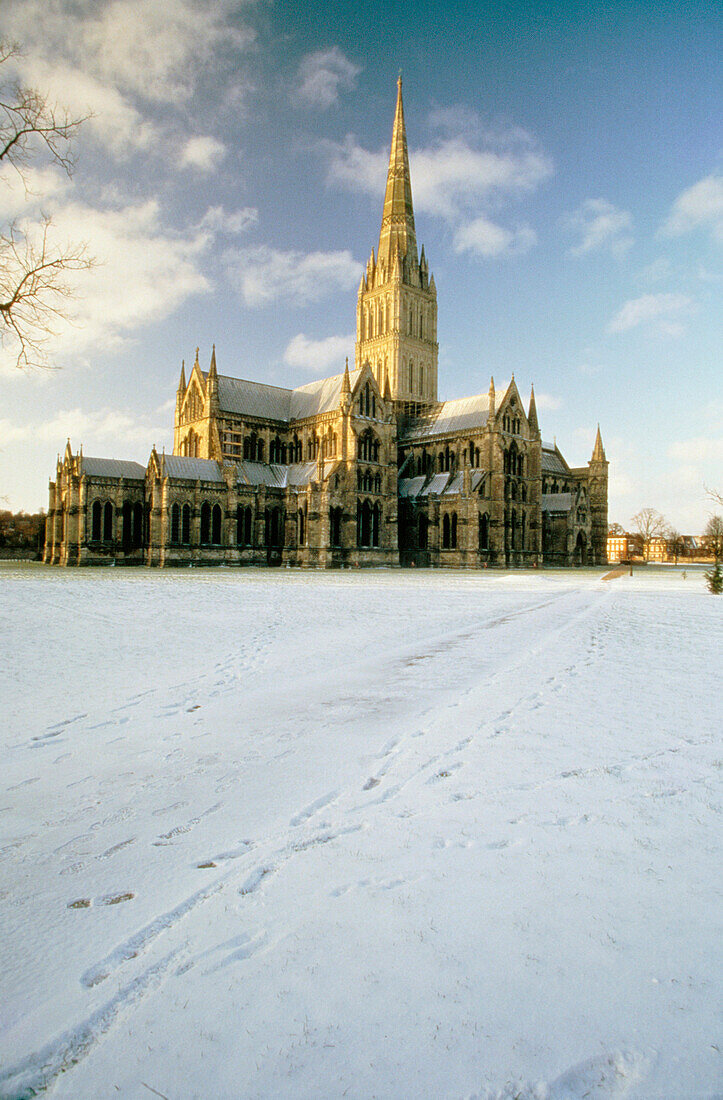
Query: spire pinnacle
<point>598,453</point>
<point>397,230</point>
<point>532,414</point>
<point>182,380</point>
<point>212,369</point>
<point>346,382</point>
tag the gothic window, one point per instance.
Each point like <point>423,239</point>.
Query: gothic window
<point>216,523</point>
<point>522,531</point>
<point>282,458</point>
<point>108,522</point>
<point>333,444</point>
<point>175,524</point>
<point>411,376</point>
<point>248,453</point>
<point>513,529</point>
<point>421,378</point>
<point>421,324</point>
<point>453,531</point>
<point>377,484</point>
<point>96,521</point>
<point>240,516</point>
<point>260,451</point>
<point>364,524</point>
<point>376,523</point>
<point>411,321</point>
<point>335,515</point>
<point>445,531</point>
<point>138,525</point>
<point>205,523</point>
<point>484,531</point>
<point>273,527</point>
<point>186,525</point>
<point>441,461</point>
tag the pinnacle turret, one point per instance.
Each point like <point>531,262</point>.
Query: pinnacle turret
<point>532,414</point>
<point>598,451</point>
<point>397,230</point>
<point>182,380</point>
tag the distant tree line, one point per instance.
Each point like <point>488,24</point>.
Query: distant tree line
<point>651,537</point>
<point>22,534</point>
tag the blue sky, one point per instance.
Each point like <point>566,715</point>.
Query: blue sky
<point>567,180</point>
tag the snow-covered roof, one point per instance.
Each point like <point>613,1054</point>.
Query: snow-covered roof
<point>438,484</point>
<point>257,399</point>
<point>464,414</point>
<point>112,467</point>
<point>556,502</point>
<point>552,461</point>
<point>281,477</point>
<point>319,397</point>
<point>190,469</point>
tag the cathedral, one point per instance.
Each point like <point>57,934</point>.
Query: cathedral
<point>367,468</point>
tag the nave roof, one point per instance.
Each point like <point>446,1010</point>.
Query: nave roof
<point>265,402</point>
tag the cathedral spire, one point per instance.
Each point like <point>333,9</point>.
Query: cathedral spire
<point>182,381</point>
<point>598,453</point>
<point>397,230</point>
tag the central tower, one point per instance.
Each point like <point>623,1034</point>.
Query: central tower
<point>396,317</point>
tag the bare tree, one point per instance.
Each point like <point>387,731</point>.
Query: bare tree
<point>676,543</point>
<point>714,495</point>
<point>713,536</point>
<point>648,524</point>
<point>616,531</point>
<point>34,283</point>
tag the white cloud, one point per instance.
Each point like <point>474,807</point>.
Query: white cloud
<point>318,356</point>
<point>18,192</point>
<point>322,75</point>
<point>202,153</point>
<point>451,178</point>
<point>263,274</point>
<point>699,449</point>
<point>217,220</point>
<point>661,312</point>
<point>485,238</point>
<point>143,272</point>
<point>700,206</point>
<point>547,401</point>
<point>111,59</point>
<point>96,427</point>
<point>600,225</point>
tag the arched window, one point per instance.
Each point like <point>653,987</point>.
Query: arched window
<point>260,451</point>
<point>335,515</point>
<point>445,531</point>
<point>364,524</point>
<point>248,527</point>
<point>513,529</point>
<point>216,524</point>
<point>96,524</point>
<point>441,462</point>
<point>376,523</point>
<point>423,532</point>
<point>378,484</point>
<point>175,524</point>
<point>205,523</point>
<point>453,532</point>
<point>240,517</point>
<point>522,530</point>
<point>186,525</point>
<point>302,530</point>
<point>108,522</point>
<point>484,531</point>
<point>138,524</point>
<point>248,454</point>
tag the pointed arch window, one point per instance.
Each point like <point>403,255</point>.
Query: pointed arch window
<point>216,525</point>
<point>186,525</point>
<point>96,523</point>
<point>108,522</point>
<point>175,524</point>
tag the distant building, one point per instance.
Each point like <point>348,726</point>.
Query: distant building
<point>365,468</point>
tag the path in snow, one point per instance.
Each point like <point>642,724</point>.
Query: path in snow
<point>380,835</point>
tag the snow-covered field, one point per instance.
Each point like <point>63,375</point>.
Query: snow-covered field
<point>397,835</point>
